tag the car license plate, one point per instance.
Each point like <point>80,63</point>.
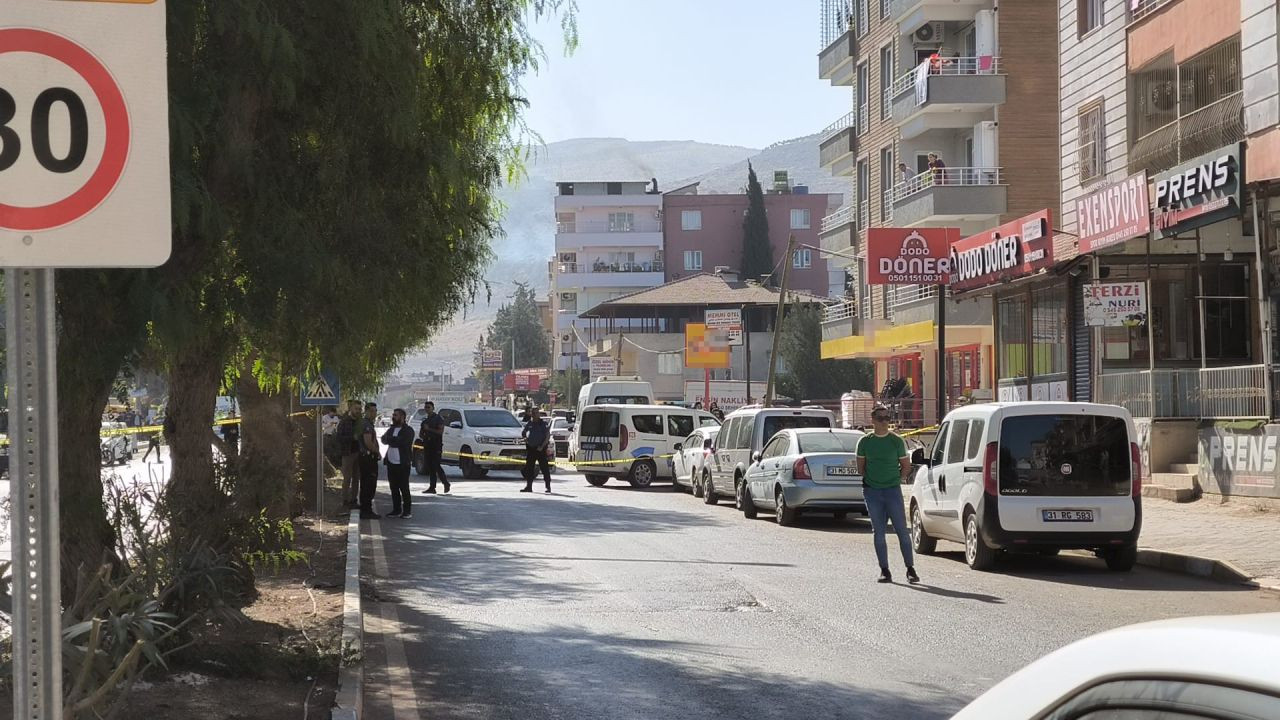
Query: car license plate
<point>841,471</point>
<point>1067,515</point>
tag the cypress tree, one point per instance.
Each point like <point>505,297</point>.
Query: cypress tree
<point>757,254</point>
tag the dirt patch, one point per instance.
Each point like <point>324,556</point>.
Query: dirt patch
<point>281,662</point>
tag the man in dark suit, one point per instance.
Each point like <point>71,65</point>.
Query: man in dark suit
<point>399,459</point>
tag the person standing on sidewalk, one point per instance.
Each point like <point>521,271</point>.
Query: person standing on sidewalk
<point>399,441</point>
<point>536,435</point>
<point>431,433</point>
<point>367,433</point>
<point>884,464</point>
<point>349,446</point>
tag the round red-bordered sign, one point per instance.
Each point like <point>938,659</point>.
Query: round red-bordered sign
<point>116,114</point>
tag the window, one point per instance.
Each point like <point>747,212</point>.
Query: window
<point>862,94</point>
<point>842,442</point>
<point>613,188</point>
<point>887,171</point>
<point>800,218</point>
<point>690,219</point>
<point>1064,456</point>
<point>679,425</point>
<point>670,364</point>
<point>886,81</point>
<point>885,12</point>
<point>599,423</point>
<point>647,424</point>
<point>1049,331</point>
<point>726,437</point>
<point>692,259</point>
<point>450,416</point>
<point>863,180</point>
<point>491,418</point>
<point>1092,139</point>
<point>940,445</point>
<point>776,447</point>
<point>566,222</point>
<point>708,421</point>
<point>956,442</point>
<point>975,439</point>
<point>621,221</point>
<point>774,423</point>
<point>1088,16</point>
<point>864,13</point>
<point>802,258</point>
<point>1011,316</point>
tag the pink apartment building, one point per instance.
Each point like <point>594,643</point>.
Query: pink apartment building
<point>702,232</point>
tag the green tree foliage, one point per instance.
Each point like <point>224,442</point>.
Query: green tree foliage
<point>519,320</point>
<point>807,377</point>
<point>757,253</point>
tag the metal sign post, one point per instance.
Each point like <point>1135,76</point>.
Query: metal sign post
<point>323,389</point>
<point>31,336</point>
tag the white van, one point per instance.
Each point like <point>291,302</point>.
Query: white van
<point>610,390</point>
<point>631,442</point>
<point>744,433</point>
<point>1034,477</point>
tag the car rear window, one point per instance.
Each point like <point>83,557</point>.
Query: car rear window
<point>648,424</point>
<point>599,423</point>
<point>828,442</point>
<point>774,423</point>
<point>620,400</point>
<point>1064,455</point>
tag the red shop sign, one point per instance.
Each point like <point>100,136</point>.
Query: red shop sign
<point>910,256</point>
<point>1013,250</point>
<point>1114,214</point>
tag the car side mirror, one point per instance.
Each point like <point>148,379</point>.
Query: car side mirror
<point>456,424</point>
<point>918,457</point>
<point>755,457</point>
<point>678,447</point>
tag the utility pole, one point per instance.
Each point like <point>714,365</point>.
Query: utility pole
<point>746,352</point>
<point>777,323</point>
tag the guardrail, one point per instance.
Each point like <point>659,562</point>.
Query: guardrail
<point>836,127</point>
<point>955,177</point>
<point>843,216</point>
<point>844,310</point>
<point>631,267</point>
<point>1225,392</point>
<point>1139,9</point>
<point>605,226</point>
<point>948,66</point>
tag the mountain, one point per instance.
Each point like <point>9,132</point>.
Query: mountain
<point>528,224</point>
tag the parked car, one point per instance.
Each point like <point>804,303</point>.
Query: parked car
<point>560,429</point>
<point>1031,476</point>
<point>744,433</point>
<point>690,457</point>
<point>1184,669</point>
<point>802,471</point>
<point>475,436</point>
<point>631,441</point>
<point>116,449</point>
<point>609,390</point>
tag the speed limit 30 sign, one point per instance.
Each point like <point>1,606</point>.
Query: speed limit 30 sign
<point>84,134</point>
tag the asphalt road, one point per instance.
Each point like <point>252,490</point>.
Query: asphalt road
<point>620,603</point>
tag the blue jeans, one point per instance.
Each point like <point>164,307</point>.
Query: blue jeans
<point>884,505</point>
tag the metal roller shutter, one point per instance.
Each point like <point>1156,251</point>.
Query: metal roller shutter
<point>1081,347</point>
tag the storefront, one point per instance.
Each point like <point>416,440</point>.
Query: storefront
<point>1010,263</point>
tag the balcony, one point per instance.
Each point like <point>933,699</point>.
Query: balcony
<point>911,15</point>
<point>950,195</point>
<point>642,274</point>
<point>1190,136</point>
<point>838,234</point>
<point>836,60</point>
<point>640,232</point>
<point>838,146</point>
<point>841,320</point>
<point>958,93</point>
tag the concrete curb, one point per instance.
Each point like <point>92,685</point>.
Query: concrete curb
<point>348,702</point>
<point>1209,568</point>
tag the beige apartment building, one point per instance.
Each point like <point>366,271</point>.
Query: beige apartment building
<point>975,83</point>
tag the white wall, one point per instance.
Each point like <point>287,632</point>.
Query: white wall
<point>1091,67</point>
<point>1259,54</point>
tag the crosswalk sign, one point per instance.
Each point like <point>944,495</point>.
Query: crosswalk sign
<point>322,389</point>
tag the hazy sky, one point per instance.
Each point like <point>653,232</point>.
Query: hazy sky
<point>734,72</point>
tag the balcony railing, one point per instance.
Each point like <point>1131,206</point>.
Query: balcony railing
<point>843,216</point>
<point>984,65</point>
<point>948,177</point>
<point>1139,9</point>
<point>1190,136</point>
<point>864,214</point>
<point>1226,392</point>
<point>835,18</point>
<point>603,267</point>
<point>844,310</point>
<point>901,295</point>
<point>836,127</point>
<point>606,226</point>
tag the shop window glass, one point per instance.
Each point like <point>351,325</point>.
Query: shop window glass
<point>1227,330</point>
<point>1012,337</point>
<point>1049,331</point>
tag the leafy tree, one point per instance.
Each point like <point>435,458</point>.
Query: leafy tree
<point>757,253</point>
<point>807,377</point>
<point>519,320</point>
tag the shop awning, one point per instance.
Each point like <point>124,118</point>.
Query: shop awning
<point>844,348</point>
<point>914,337</point>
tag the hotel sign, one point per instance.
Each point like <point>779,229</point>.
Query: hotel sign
<point>1114,214</point>
<point>1202,192</point>
<point>1013,250</point>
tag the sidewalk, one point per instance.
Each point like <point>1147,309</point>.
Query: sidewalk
<point>1236,532</point>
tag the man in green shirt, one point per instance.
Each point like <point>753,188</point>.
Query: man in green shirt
<point>884,464</point>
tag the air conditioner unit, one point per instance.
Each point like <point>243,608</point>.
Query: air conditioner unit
<point>568,257</point>
<point>930,34</point>
<point>568,297</point>
<point>567,337</point>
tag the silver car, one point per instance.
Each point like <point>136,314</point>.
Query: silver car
<point>804,470</point>
<point>690,457</point>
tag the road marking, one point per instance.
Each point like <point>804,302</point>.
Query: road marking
<point>402,697</point>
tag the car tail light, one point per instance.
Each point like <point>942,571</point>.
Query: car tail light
<point>989,469</point>
<point>622,438</point>
<point>1135,456</point>
<point>800,471</point>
